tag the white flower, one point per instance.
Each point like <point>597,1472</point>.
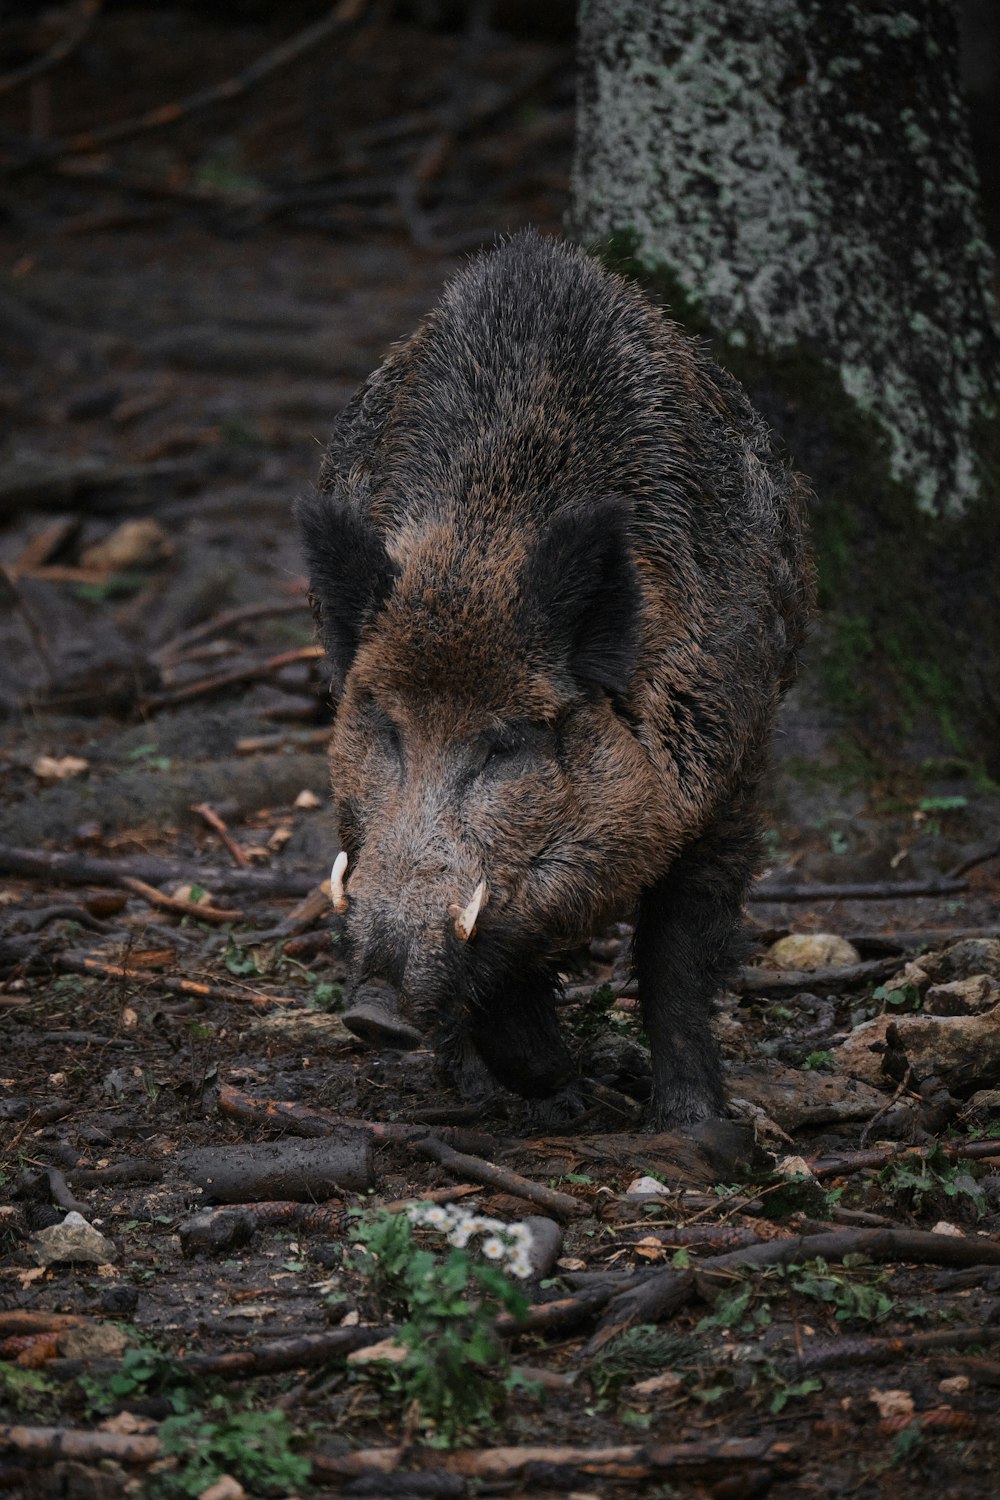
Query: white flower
<point>493,1248</point>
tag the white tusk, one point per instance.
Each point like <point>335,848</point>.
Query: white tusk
<point>465,920</point>
<point>337,892</point>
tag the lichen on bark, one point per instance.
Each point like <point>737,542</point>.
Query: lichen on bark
<point>801,170</point>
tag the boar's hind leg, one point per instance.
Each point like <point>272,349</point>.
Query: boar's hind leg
<point>687,943</point>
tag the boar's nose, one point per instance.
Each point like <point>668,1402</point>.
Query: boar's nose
<point>373,1015</point>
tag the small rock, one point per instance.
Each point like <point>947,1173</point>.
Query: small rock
<point>959,1050</point>
<point>119,1301</point>
<point>93,1341</point>
<point>794,1166</point>
<point>133,544</point>
<point>224,1488</point>
<point>215,1231</point>
<point>944,1227</point>
<point>73,1240</point>
<point>646,1187</point>
<point>954,1385</point>
<point>963,997</point>
<point>546,1243</point>
<point>811,950</point>
<point>307,800</point>
<point>985,1105</point>
<point>962,959</point>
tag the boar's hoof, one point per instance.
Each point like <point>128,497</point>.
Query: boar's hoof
<point>374,1017</point>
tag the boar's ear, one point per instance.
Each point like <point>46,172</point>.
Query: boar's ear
<point>350,574</point>
<point>582,579</point>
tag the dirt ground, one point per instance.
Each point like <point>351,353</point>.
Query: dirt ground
<point>184,311</point>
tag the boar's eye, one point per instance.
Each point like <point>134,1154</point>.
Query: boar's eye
<point>383,731</point>
<point>509,750</point>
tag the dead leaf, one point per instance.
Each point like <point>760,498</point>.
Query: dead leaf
<point>388,1350</point>
<point>51,768</point>
<point>666,1383</point>
<point>133,544</point>
<point>891,1403</point>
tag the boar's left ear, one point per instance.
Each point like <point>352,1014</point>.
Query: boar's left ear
<point>350,574</point>
<point>581,578</point>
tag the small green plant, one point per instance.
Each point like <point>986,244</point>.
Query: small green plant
<point>855,1293</point>
<point>821,1061</point>
<point>25,1390</point>
<point>916,1181</point>
<point>144,1370</point>
<point>241,962</point>
<point>903,996</point>
<point>118,586</point>
<point>942,804</point>
<point>455,1374</point>
<point>252,1446</point>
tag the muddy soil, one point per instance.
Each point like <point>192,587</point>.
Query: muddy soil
<point>185,312</point>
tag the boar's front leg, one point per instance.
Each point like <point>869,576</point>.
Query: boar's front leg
<point>517,1035</point>
<point>687,943</point>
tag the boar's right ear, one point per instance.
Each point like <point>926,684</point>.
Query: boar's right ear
<point>350,574</point>
<point>582,580</point>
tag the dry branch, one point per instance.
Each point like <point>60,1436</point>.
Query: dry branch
<point>255,672</point>
<point>83,963</point>
<point>177,906</point>
<point>672,1289</point>
<point>859,1161</point>
<point>562,1205</point>
<point>209,816</point>
<point>87,13</point>
<point>544,1463</point>
<point>87,869</point>
<point>301,1119</point>
<point>220,623</point>
<point>870,890</point>
<point>268,64</point>
<point>53,1443</point>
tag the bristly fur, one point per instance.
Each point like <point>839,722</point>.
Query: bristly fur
<point>563,580</point>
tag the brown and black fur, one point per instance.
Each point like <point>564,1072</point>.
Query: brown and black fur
<point>562,579</point>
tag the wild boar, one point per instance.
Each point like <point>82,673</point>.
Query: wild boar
<point>562,579</point>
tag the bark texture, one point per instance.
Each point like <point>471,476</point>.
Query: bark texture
<point>802,171</point>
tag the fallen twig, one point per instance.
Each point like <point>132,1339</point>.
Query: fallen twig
<point>273,744</point>
<point>202,912</point>
<point>87,869</point>
<point>542,1463</point>
<point>762,981</point>
<point>266,66</point>
<point>84,963</point>
<point>562,1205</point>
<point>871,890</point>
<point>72,1442</point>
<point>672,1289</point>
<point>858,1161</point>
<point>255,672</point>
<point>300,1119</point>
<point>211,817</point>
<point>220,623</point>
<point>87,13</point>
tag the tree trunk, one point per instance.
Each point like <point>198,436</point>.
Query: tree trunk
<point>795,177</point>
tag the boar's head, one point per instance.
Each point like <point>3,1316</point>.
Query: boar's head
<point>493,797</point>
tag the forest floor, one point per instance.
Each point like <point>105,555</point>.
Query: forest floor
<point>806,1303</point>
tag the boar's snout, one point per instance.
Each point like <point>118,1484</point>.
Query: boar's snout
<point>373,1015</point>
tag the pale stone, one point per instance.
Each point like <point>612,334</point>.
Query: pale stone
<point>59,768</point>
<point>224,1488</point>
<point>646,1187</point>
<point>891,1403</point>
<point>960,1050</point>
<point>811,950</point>
<point>963,997</point>
<point>93,1341</point>
<point>73,1240</point>
<point>794,1166</point>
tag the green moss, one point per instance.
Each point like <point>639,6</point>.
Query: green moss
<point>910,603</point>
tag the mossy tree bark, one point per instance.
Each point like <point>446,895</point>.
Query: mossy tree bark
<point>795,177</point>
